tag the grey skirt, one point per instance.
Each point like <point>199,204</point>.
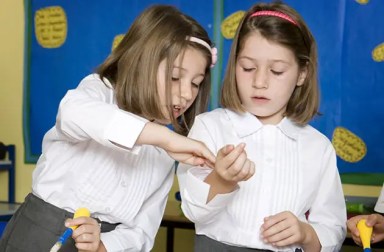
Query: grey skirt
<point>36,226</point>
<point>206,244</point>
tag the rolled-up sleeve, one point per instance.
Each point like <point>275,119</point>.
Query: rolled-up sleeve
<point>89,112</point>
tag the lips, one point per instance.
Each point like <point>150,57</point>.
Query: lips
<point>177,110</point>
<point>259,98</point>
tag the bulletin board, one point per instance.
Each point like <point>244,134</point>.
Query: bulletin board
<point>65,41</point>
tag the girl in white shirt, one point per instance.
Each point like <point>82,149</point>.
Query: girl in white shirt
<point>110,150</point>
<point>294,200</point>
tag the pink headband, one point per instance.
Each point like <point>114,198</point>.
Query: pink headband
<point>275,14</point>
<point>206,45</point>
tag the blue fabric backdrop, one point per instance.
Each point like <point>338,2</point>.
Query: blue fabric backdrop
<point>350,39</point>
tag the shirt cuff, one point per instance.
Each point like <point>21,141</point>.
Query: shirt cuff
<point>109,242</point>
<point>328,240</point>
<point>124,129</point>
<point>199,190</point>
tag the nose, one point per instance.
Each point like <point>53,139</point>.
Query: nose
<point>260,79</point>
<point>186,91</point>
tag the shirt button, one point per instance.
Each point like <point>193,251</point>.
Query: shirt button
<point>123,184</point>
<point>269,160</point>
<point>107,209</point>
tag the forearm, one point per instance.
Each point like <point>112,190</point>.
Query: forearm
<point>101,247</point>
<point>218,185</point>
<point>311,241</point>
<point>153,134</point>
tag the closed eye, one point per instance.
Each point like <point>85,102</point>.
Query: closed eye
<point>276,72</point>
<point>248,69</point>
<point>196,85</point>
<point>175,79</point>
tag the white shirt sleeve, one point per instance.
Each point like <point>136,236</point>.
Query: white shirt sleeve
<point>328,214</point>
<point>89,112</point>
<point>194,191</point>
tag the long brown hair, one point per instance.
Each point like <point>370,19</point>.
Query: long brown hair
<point>304,102</point>
<point>158,33</point>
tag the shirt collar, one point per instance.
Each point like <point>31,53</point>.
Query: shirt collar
<point>246,124</point>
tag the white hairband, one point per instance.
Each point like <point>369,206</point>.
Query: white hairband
<point>213,50</point>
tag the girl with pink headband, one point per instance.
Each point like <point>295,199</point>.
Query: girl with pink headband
<point>111,150</point>
<point>275,185</point>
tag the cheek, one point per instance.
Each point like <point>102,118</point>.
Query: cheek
<point>244,79</point>
<point>239,75</point>
<point>195,92</point>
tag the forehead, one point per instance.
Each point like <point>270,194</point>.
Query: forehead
<point>191,58</point>
<point>257,47</point>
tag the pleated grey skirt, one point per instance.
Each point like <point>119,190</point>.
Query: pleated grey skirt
<point>36,226</point>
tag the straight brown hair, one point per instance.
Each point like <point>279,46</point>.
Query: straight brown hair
<point>304,102</point>
<point>158,33</point>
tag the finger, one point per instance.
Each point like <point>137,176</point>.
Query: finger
<point>236,168</point>
<point>274,229</point>
<point>77,221</point>
<point>272,220</point>
<point>357,240</point>
<point>209,164</point>
<point>206,153</point>
<point>85,229</point>
<point>228,148</point>
<point>92,228</point>
<point>187,158</point>
<point>250,169</point>
<point>195,161</point>
<point>371,220</point>
<point>285,241</point>
<point>234,154</point>
<point>282,238</point>
<point>244,172</point>
<point>225,150</point>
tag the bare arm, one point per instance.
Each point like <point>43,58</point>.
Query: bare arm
<point>180,148</point>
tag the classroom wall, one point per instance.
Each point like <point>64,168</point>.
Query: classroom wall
<point>11,99</point>
<point>11,93</point>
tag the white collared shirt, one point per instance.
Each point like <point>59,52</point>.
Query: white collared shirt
<point>295,171</point>
<point>89,159</point>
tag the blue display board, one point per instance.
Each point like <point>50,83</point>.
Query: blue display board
<point>65,41</point>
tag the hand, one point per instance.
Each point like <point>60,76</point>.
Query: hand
<point>189,151</point>
<point>232,164</point>
<point>352,227</point>
<point>284,229</point>
<point>87,234</point>
<point>180,148</point>
<point>377,222</point>
<point>374,220</point>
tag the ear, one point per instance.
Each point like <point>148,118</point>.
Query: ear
<point>302,76</point>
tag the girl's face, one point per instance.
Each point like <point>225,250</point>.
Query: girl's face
<point>266,75</point>
<point>187,74</point>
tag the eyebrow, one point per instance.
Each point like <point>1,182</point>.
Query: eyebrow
<point>273,60</point>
